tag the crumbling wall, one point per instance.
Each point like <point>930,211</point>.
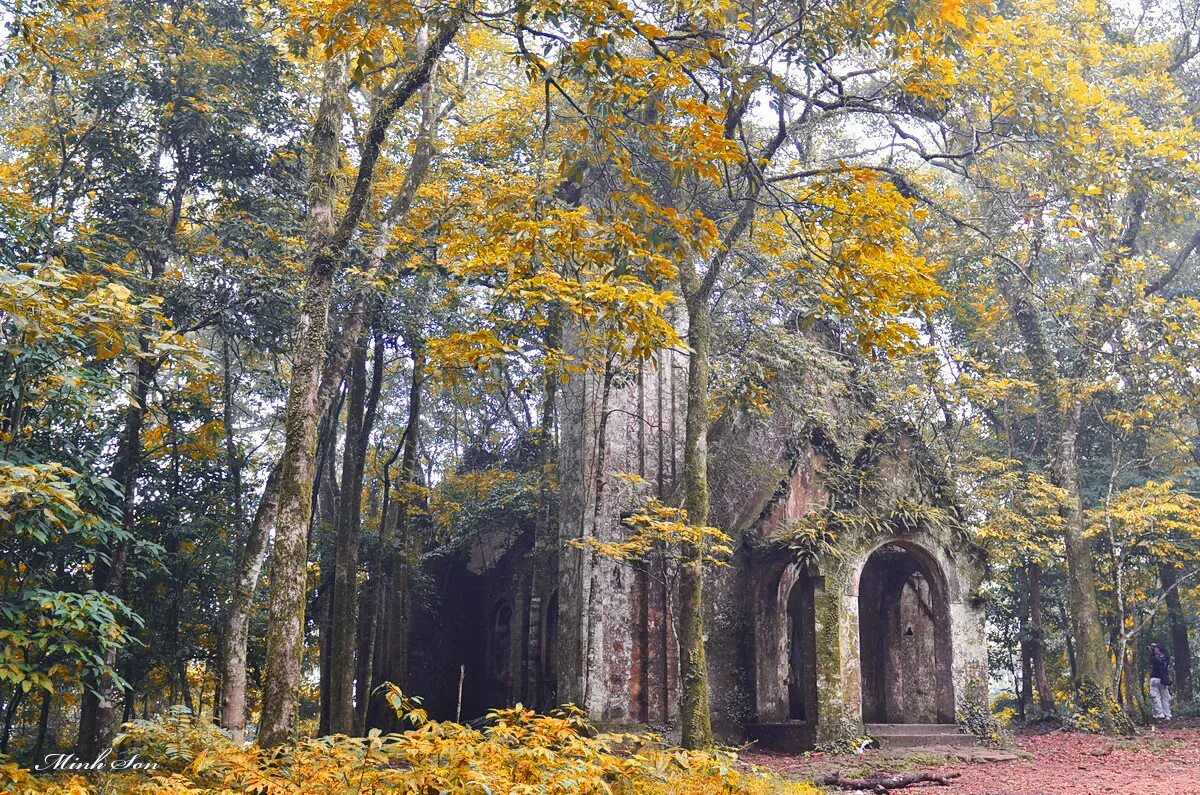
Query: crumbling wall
<point>881,492</point>
<point>618,656</point>
<point>617,650</point>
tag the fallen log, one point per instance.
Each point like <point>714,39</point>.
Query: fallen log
<point>888,782</point>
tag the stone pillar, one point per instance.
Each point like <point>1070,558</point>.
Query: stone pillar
<point>969,641</point>
<point>839,676</point>
<point>594,631</point>
<point>613,624</point>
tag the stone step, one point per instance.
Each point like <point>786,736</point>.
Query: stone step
<point>919,735</point>
<point>877,729</point>
<point>791,737</point>
<point>927,741</point>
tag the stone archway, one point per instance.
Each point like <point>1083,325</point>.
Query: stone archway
<point>785,643</point>
<point>904,638</point>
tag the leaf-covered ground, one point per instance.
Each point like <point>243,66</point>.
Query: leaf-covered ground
<point>1165,759</point>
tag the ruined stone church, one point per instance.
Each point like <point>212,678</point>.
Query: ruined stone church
<point>880,625</point>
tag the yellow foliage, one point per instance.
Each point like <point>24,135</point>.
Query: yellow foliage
<point>1018,510</point>
<point>660,528</point>
<point>518,752</point>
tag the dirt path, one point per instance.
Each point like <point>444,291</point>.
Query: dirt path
<point>1163,761</point>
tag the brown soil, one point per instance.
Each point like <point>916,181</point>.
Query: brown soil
<point>1162,760</point>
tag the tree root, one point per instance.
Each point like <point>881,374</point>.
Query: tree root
<point>887,782</point>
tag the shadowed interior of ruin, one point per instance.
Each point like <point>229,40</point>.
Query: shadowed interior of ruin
<point>904,626</point>
<point>802,652</point>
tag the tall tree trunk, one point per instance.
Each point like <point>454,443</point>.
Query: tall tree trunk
<point>359,419</point>
<point>185,689</point>
<point>254,550</point>
<point>95,709</point>
<point>544,538</point>
<point>1060,414</point>
<point>1093,675</point>
<point>1025,694</point>
<point>1038,636</point>
<point>10,713</point>
<point>285,628</point>
<point>321,527</point>
<point>233,460</point>
<point>327,245</point>
<point>363,664</point>
<point>237,619</point>
<point>378,586</point>
<point>400,545</point>
<point>233,464</point>
<point>1181,648</point>
<point>694,718</point>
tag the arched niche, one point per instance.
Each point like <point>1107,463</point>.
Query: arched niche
<point>785,644</point>
<point>904,637</point>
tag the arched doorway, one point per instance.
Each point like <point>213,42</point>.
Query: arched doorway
<point>904,638</point>
<point>499,653</point>
<point>802,652</point>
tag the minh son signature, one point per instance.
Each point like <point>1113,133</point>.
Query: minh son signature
<point>101,762</point>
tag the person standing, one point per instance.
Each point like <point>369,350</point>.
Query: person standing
<point>1160,681</point>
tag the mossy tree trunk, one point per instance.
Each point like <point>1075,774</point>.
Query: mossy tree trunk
<point>1038,640</point>
<point>1059,411</point>
<point>697,288</point>
<point>254,551</point>
<point>327,242</point>
<point>237,620</point>
<point>694,717</point>
<point>285,623</point>
<point>360,417</point>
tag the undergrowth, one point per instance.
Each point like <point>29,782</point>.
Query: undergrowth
<point>517,752</point>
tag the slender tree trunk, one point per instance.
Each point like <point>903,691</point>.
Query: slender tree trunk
<point>95,709</point>
<point>1181,648</point>
<point>408,527</point>
<point>285,627</point>
<point>10,712</point>
<point>130,702</point>
<point>359,418</point>
<point>237,620</point>
<point>400,544</point>
<point>695,720</point>
<point>233,463</point>
<point>1038,647</point>
<point>544,536</point>
<point>185,689</point>
<point>43,727</point>
<point>322,526</point>
<point>232,458</point>
<point>364,667</point>
<point>1135,684</point>
<point>1025,694</point>
<point>1093,674</point>
<point>378,587</point>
